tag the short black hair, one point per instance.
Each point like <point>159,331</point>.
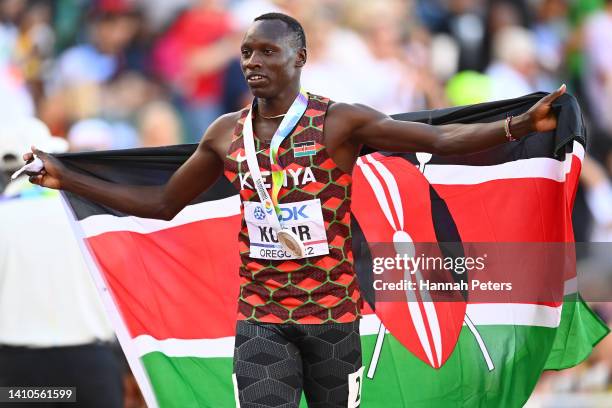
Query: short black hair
<point>294,26</point>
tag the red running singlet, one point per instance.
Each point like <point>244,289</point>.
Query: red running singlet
<point>311,290</point>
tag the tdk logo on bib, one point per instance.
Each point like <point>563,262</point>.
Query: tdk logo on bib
<point>304,218</point>
<point>293,213</point>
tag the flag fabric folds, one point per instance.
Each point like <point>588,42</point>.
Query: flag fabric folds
<point>171,287</point>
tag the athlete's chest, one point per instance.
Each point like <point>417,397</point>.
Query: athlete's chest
<point>264,129</point>
<point>300,159</point>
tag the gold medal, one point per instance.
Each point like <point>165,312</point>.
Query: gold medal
<point>290,241</point>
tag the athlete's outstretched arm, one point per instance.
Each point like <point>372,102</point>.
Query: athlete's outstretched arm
<point>378,130</point>
<point>197,174</point>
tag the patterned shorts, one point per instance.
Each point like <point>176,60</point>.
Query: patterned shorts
<point>273,363</point>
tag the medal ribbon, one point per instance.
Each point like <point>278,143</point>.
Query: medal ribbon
<point>293,115</point>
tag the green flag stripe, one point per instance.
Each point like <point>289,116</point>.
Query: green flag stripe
<point>580,331</point>
<point>405,380</point>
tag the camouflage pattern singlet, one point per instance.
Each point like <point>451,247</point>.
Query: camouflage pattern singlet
<point>313,290</point>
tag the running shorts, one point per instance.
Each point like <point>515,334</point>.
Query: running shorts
<point>273,363</point>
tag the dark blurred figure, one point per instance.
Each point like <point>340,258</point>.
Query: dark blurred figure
<point>500,14</point>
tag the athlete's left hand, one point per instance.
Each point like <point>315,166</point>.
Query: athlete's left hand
<point>541,115</point>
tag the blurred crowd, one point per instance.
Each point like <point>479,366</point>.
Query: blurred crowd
<point>113,74</point>
<point>126,73</point>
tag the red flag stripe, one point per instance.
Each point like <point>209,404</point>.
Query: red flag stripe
<point>181,269</point>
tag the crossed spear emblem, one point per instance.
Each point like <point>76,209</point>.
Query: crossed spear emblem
<point>404,245</point>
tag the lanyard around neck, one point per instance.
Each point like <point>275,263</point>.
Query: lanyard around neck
<point>293,115</point>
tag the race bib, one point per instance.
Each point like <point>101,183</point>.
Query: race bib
<point>355,383</point>
<point>304,218</point>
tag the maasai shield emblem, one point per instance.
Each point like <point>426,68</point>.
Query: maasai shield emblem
<point>426,325</point>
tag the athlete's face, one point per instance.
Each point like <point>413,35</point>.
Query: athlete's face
<point>270,60</point>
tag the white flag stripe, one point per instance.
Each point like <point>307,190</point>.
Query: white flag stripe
<point>502,314</point>
<point>377,348</point>
<point>517,314</point>
<point>369,324</point>
<point>99,224</point>
<point>481,344</point>
<point>432,318</point>
<point>578,150</point>
<point>539,167</point>
<point>393,190</point>
<point>419,325</point>
<point>220,347</point>
<point>521,314</point>
<point>379,193</point>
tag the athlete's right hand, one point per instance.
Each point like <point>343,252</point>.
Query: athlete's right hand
<point>51,176</point>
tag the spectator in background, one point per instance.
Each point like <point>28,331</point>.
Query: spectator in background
<point>10,14</point>
<point>53,331</point>
<point>110,32</point>
<point>161,13</point>
<point>74,90</point>
<point>192,56</point>
<point>500,14</point>
<point>35,45</point>
<point>91,135</point>
<point>380,75</point>
<point>551,32</point>
<point>159,125</point>
<point>466,23</point>
<point>514,70</point>
<point>329,71</point>
<point>598,75</point>
<point>122,99</point>
<point>15,99</point>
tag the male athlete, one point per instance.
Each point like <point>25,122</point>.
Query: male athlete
<point>289,339</point>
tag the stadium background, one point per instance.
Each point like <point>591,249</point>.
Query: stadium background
<point>108,74</point>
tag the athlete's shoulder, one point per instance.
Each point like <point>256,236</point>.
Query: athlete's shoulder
<point>343,120</point>
<point>340,108</point>
<point>348,112</point>
<point>314,98</point>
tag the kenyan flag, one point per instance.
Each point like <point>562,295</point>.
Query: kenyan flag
<point>170,288</point>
